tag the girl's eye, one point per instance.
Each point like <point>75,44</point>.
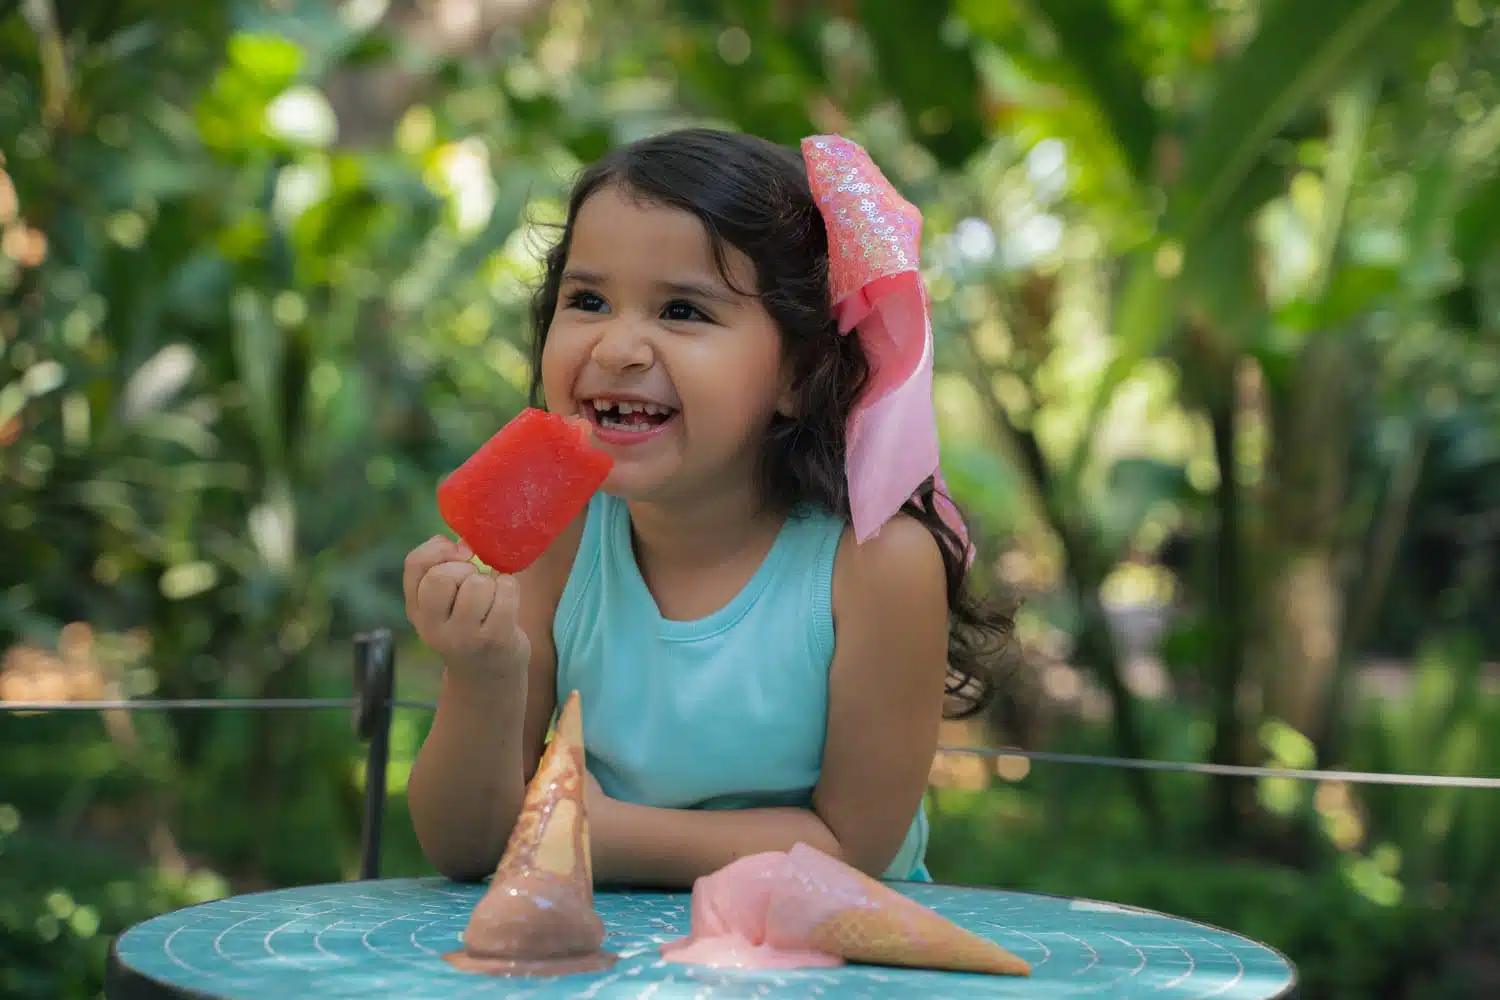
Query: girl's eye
<point>684,312</point>
<point>585,301</point>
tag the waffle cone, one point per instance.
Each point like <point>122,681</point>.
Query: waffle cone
<point>552,831</point>
<point>841,911</point>
<point>878,936</point>
<point>537,917</point>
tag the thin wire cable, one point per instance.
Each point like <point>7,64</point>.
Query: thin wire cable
<point>1237,770</point>
<point>1043,756</point>
<point>177,704</point>
<point>191,704</point>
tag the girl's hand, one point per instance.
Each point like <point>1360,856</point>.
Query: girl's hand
<point>466,616</point>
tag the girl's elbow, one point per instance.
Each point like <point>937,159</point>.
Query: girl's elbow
<point>871,856</point>
<point>453,857</point>
<point>458,871</point>
<point>456,865</point>
<point>858,853</point>
<point>870,863</point>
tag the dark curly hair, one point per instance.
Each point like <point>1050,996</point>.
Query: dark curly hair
<point>754,195</point>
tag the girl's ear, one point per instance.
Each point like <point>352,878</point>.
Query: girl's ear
<point>786,401</point>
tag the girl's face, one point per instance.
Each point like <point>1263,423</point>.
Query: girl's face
<point>679,374</point>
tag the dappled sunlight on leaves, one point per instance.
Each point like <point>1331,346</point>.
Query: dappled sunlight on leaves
<point>1369,877</point>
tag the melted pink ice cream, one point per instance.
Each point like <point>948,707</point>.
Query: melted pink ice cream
<point>731,925</point>
<point>735,951</point>
<point>806,909</point>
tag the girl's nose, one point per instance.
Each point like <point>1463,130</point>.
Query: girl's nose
<point>623,346</point>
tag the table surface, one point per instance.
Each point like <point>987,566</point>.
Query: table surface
<point>385,938</point>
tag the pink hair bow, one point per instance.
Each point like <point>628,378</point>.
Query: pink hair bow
<point>874,238</point>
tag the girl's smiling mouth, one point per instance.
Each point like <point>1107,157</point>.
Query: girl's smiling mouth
<point>627,421</point>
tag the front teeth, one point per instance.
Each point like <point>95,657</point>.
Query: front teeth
<point>625,409</point>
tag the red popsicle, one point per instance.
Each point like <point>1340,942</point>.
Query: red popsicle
<point>514,495</point>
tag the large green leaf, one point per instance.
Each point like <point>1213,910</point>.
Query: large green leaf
<point>1299,54</point>
<point>1426,271</point>
<point>933,77</point>
<point>1216,284</point>
<point>1350,118</point>
<point>1476,229</point>
<point>1092,42</point>
<point>1352,289</point>
<point>1476,245</point>
<point>1219,280</point>
<point>1338,290</point>
<point>259,352</point>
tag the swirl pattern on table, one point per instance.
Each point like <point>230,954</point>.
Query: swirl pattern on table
<point>386,938</point>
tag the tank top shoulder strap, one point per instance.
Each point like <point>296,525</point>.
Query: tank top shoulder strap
<point>810,542</point>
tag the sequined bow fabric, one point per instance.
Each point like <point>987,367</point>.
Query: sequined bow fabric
<point>874,242</point>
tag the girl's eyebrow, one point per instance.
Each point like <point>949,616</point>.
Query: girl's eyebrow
<point>696,289</point>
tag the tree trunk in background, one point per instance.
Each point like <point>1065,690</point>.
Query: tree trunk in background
<point>1299,600</point>
<point>1233,799</point>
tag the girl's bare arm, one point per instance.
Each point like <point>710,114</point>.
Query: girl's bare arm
<point>469,778</point>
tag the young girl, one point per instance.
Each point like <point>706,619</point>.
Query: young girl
<point>761,606</point>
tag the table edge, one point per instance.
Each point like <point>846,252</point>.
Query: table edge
<point>124,982</point>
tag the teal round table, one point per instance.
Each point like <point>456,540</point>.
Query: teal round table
<point>386,938</point>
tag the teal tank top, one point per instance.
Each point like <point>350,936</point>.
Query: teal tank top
<point>728,711</point>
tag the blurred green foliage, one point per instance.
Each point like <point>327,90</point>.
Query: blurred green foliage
<point>1216,285</point>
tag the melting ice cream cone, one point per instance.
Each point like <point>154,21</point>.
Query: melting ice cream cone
<point>841,911</point>
<point>537,917</point>
<point>803,909</point>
